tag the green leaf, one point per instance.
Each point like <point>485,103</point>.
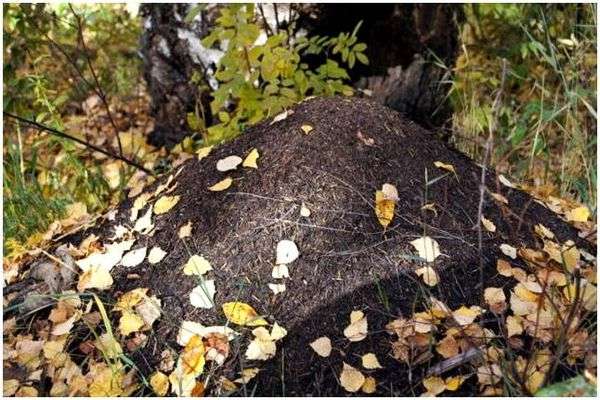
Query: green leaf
<point>359,47</point>
<point>362,58</point>
<point>574,387</point>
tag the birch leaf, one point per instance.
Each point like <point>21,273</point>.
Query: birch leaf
<point>221,185</point>
<point>251,158</point>
<point>427,248</point>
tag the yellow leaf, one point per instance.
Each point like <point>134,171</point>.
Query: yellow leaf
<point>579,214</point>
<point>384,209</point>
<point>242,314</point>
<point>429,276</point>
<point>447,167</point>
<point>504,268</point>
<point>221,185</point>
<point>159,383</point>
<point>357,330</point>
<point>370,361</point>
<point>9,387</point>
<point>369,386</point>
<point>434,385</point>
<point>262,347</point>
<point>165,203</point>
<point>203,152</point>
<point>197,265</point>
<point>487,224</point>
<point>250,160</point>
<point>130,322</point>
<point>156,254</point>
<point>464,316</point>
<point>95,278</point>
<point>322,346</point>
<point>130,299</point>
<point>306,129</point>
<point>192,357</point>
<point>351,379</point>
<point>543,232</point>
<point>106,382</point>
<point>514,325</point>
<point>447,347</point>
<point>454,382</point>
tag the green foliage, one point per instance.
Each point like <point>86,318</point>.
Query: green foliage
<point>258,79</point>
<point>574,387</point>
<point>546,125</point>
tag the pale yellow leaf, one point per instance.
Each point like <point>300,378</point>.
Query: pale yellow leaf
<point>165,203</point>
<point>221,185</point>
<point>508,250</point>
<point>384,209</point>
<point>306,129</point>
<point>197,265</point>
<point>251,158</point>
<point>579,214</point>
<point>488,225</point>
<point>203,152</point>
<point>242,314</point>
<point>130,322</point>
<point>156,255</point>
<point>434,385</point>
<point>203,295</point>
<point>185,230</point>
<point>357,330</point>
<point>369,386</point>
<point>466,315</point>
<point>427,248</point>
<point>370,361</point>
<point>322,346</point>
<point>351,379</point>
<point>159,383</point>
<point>444,166</point>
<point>277,288</point>
<point>95,278</point>
<point>429,276</point>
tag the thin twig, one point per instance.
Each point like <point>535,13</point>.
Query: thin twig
<point>76,139</point>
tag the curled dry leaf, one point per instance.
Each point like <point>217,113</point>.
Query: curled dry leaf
<point>221,185</point>
<point>306,129</point>
<point>543,232</point>
<point>281,116</point>
<point>508,250</point>
<point>202,296</point>
<point>251,158</point>
<point>322,346</point>
<point>429,276</point>
<point>242,314</point>
<point>487,224</point>
<point>503,180</point>
<point>228,163</point>
<point>357,330</point>
<point>370,361</point>
<point>262,347</point>
<point>287,252</point>
<point>144,224</point>
<point>444,166</point>
<point>499,198</point>
<point>156,255</point>
<point>203,152</point>
<point>351,379</point>
<point>427,248</point>
<point>277,288</point>
<point>385,203</point>
<point>197,265</point>
<point>185,230</point>
<point>165,203</point>
<point>134,257</point>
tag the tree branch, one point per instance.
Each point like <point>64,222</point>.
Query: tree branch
<point>64,135</point>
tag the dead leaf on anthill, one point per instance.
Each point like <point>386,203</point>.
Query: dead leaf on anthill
<point>466,315</point>
<point>370,361</point>
<point>504,268</point>
<point>95,278</point>
<point>322,346</point>
<point>203,152</point>
<point>165,203</point>
<point>447,347</point>
<point>306,129</point>
<point>429,207</point>
<point>488,225</point>
<point>217,347</point>
<point>228,163</point>
<point>508,250</point>
<point>286,252</point>
<point>159,383</point>
<point>197,265</point>
<point>251,158</point>
<point>221,185</point>
<point>185,230</point>
<point>281,116</point>
<point>514,325</point>
<point>429,276</point>
<point>543,232</point>
<point>357,330</point>
<point>304,211</point>
<point>498,197</point>
<point>369,386</point>
<point>427,248</point>
<point>156,254</point>
<point>434,385</point>
<point>385,203</point>
<point>277,288</point>
<point>496,299</point>
<point>503,180</point>
<point>351,379</point>
<point>242,314</point>
<point>202,296</point>
<point>444,166</point>
<point>280,271</point>
<point>368,141</point>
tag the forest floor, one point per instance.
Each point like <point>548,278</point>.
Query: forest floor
<point>337,248</point>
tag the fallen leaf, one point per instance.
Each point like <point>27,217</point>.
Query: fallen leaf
<point>370,361</point>
<point>165,203</point>
<point>543,232</point>
<point>434,385</point>
<point>156,255</point>
<point>447,167</point>
<point>351,379</point>
<point>185,230</point>
<point>357,330</point>
<point>217,347</point>
<point>221,185</point>
<point>197,265</point>
<point>306,129</point>
<point>466,315</point>
<point>504,268</point>
<point>277,288</point>
<point>487,224</point>
<point>9,387</point>
<point>427,247</point>
<point>262,347</point>
<point>203,295</point>
<point>322,346</point>
<point>506,182</point>
<point>496,299</point>
<point>130,322</point>
<point>385,204</point>
<point>203,152</point>
<point>247,375</point>
<point>228,163</point>
<point>498,197</point>
<point>149,309</point>
<point>447,347</point>
<point>65,327</point>
<point>429,276</point>
<point>159,383</point>
<point>182,384</point>
<point>304,211</point>
<point>192,358</point>
<point>107,259</point>
<point>242,314</point>
<point>454,382</point>
<point>190,328</point>
<point>277,332</point>
<point>508,250</point>
<point>250,160</point>
<point>514,325</point>
<point>579,214</point>
<point>287,252</point>
<point>369,386</point>
<point>280,271</point>
<point>144,224</point>
<point>281,116</point>
<point>134,257</point>
<point>95,278</point>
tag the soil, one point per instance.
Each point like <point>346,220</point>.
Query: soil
<point>347,261</point>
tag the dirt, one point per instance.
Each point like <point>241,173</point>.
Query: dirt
<point>347,261</point>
